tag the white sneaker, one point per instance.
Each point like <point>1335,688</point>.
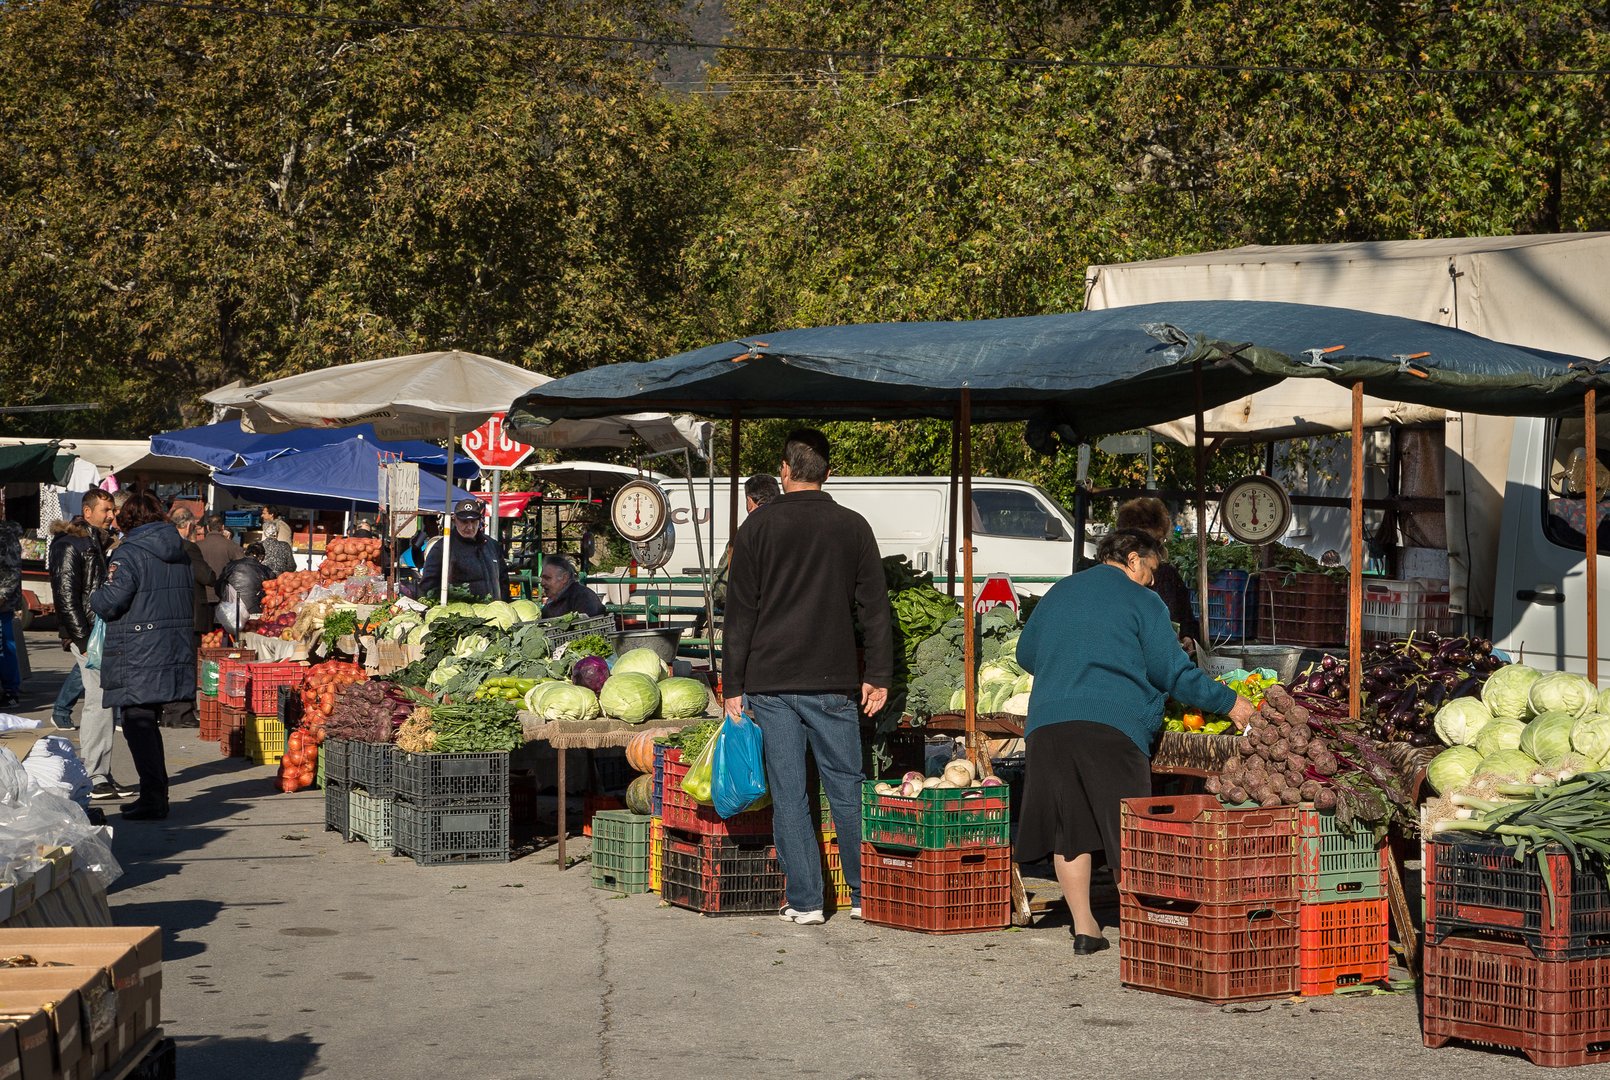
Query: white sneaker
<point>855,912</point>
<point>804,918</point>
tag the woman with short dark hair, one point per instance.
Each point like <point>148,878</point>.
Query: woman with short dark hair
<point>148,657</point>
<point>1105,660</point>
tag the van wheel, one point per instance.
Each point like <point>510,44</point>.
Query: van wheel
<point>25,618</point>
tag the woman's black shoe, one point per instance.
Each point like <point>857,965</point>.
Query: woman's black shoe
<point>1084,944</point>
<point>137,812</point>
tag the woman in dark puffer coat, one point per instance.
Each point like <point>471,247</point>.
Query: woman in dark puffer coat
<point>149,657</point>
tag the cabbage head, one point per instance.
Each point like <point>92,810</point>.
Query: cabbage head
<point>1500,733</point>
<point>1016,705</point>
<point>999,671</point>
<point>443,672</point>
<point>642,661</point>
<point>471,645</point>
<point>1510,763</point>
<point>631,697</point>
<point>1009,646</point>
<point>683,698</point>
<point>1548,737</point>
<point>1461,720</point>
<point>1505,691</point>
<point>1561,691</point>
<point>1023,684</point>
<point>1452,768</point>
<point>567,701</point>
<point>533,696</point>
<point>1591,737</point>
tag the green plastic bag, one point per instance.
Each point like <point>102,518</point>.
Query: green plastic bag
<point>700,774</point>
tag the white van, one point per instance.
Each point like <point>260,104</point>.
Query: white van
<point>1540,587</point>
<point>1018,528</point>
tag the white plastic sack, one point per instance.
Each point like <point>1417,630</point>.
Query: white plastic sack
<point>54,765</point>
<point>10,722</point>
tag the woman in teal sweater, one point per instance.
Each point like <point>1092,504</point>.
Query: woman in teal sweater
<point>1105,659</point>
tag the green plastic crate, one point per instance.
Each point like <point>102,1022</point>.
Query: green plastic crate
<point>620,851</point>
<point>938,819</point>
<point>370,819</point>
<point>1331,865</point>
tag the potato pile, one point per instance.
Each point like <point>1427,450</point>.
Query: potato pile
<point>1282,762</point>
<point>349,556</point>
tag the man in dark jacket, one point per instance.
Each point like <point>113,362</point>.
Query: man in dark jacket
<point>802,573</point>
<point>240,588</point>
<point>182,712</point>
<point>77,563</point>
<point>149,657</point>
<point>565,594</point>
<point>216,546</point>
<point>477,558</point>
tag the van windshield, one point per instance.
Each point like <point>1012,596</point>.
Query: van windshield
<point>1015,513</point>
<point>1566,513</point>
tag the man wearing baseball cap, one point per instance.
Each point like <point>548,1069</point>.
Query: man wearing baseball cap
<point>477,560</point>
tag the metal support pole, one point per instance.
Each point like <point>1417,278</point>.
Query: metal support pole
<point>955,494</point>
<point>1590,436</point>
<point>964,419</point>
<point>1206,644</point>
<point>1355,568</point>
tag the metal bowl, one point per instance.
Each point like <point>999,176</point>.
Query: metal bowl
<point>663,640</point>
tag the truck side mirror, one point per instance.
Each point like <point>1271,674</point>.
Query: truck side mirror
<point>1054,529</point>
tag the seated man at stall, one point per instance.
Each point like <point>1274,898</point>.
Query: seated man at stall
<point>564,593</point>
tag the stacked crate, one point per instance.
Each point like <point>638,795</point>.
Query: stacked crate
<point>710,865</point>
<point>365,771</point>
<point>1341,883</point>
<point>335,760</point>
<point>247,721</point>
<point>450,808</point>
<point>1208,899</point>
<point>939,862</point>
<point>212,662</point>
<point>1514,958</point>
<point>621,842</point>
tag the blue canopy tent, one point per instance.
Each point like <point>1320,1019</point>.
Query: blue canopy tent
<point>227,446</point>
<point>338,476</point>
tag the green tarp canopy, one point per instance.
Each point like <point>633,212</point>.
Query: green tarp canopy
<point>1088,373</point>
<point>34,463</point>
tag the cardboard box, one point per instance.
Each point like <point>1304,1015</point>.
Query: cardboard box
<point>27,1045</point>
<point>94,1021</point>
<point>62,1012</point>
<point>130,955</point>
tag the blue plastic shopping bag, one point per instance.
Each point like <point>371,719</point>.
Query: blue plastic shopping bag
<point>738,775</point>
<point>95,646</point>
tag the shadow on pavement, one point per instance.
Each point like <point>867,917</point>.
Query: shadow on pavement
<point>175,917</point>
<point>259,1059</point>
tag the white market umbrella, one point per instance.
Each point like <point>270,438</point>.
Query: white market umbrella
<point>430,395</point>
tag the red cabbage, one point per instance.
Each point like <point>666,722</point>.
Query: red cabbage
<point>591,672</point>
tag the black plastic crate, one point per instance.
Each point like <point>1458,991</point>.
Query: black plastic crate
<point>450,779</point>
<point>714,875</point>
<point>288,709</point>
<point>336,757</point>
<point>369,767</point>
<point>440,835</point>
<point>1475,884</point>
<point>337,809</point>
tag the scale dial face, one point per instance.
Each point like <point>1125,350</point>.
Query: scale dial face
<point>655,552</point>
<point>640,511</point>
<point>1255,510</point>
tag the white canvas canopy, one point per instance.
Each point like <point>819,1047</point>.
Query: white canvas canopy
<point>1540,291</point>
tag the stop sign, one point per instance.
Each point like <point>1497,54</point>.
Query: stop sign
<point>491,448</point>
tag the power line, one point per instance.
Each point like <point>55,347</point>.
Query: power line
<point>851,54</point>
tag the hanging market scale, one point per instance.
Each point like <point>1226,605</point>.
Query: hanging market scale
<point>1255,510</point>
<point>641,513</point>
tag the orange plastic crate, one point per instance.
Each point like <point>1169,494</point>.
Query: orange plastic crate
<point>1342,944</point>
<point>234,681</point>
<point>948,891</point>
<point>1217,953</point>
<point>679,811</point>
<point>1191,847</point>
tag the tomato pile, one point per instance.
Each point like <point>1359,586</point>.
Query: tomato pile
<point>213,639</point>
<point>283,593</point>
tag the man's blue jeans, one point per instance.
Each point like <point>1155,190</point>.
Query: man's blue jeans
<point>830,724</point>
<point>72,691</point>
<point>10,666</point>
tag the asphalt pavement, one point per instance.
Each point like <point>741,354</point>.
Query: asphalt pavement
<point>289,953</point>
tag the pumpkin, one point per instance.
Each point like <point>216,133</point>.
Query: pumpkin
<point>640,752</point>
<point>640,795</point>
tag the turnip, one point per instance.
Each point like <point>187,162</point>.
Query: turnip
<point>932,782</point>
<point>911,776</point>
<point>960,772</point>
<point>992,781</point>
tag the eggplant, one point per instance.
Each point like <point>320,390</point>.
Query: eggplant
<point>1328,662</point>
<point>1439,691</point>
<point>1481,646</point>
<point>1317,683</point>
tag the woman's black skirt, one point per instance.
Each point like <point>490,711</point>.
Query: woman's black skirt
<point>1077,774</point>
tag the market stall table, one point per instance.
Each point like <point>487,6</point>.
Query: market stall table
<point>600,734</point>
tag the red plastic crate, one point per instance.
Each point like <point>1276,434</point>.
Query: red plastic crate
<point>679,811</point>
<point>219,652</point>
<point>1210,952</point>
<point>1476,884</point>
<point>717,875</point>
<point>228,730</point>
<point>591,804</point>
<point>949,891</point>
<point>209,712</point>
<point>234,681</point>
<point>1191,847</point>
<point>267,678</point>
<point>1556,1012</point>
<point>1342,944</point>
